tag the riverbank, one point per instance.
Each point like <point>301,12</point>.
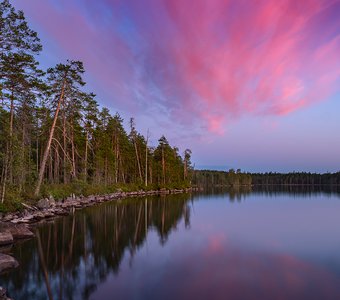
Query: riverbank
<point>19,225</point>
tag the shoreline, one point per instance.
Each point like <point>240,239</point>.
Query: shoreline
<point>16,226</point>
<point>47,208</point>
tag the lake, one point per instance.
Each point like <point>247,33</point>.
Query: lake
<point>223,244</point>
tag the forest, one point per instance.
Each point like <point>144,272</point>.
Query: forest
<point>221,178</point>
<point>235,178</point>
<point>295,178</point>
<point>55,139</point>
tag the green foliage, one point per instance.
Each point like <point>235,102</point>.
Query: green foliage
<point>53,134</point>
<point>13,200</point>
<point>296,178</point>
<point>221,178</point>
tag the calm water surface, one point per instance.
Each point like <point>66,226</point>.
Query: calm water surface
<point>216,245</point>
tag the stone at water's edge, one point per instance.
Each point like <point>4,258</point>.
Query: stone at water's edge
<point>48,207</point>
<point>5,238</point>
<point>17,231</point>
<point>20,231</point>
<point>7,262</point>
<point>46,203</point>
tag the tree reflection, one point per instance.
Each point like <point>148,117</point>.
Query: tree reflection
<point>237,193</point>
<point>72,255</point>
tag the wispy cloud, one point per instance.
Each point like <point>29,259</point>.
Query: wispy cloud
<point>205,63</point>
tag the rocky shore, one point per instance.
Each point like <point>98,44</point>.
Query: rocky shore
<point>18,225</point>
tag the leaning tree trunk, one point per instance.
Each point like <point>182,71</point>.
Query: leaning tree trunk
<point>65,179</point>
<point>137,157</point>
<point>163,165</point>
<point>86,155</point>
<point>48,147</point>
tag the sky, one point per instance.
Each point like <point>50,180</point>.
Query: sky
<point>250,84</point>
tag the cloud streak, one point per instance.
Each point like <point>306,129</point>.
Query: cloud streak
<point>205,63</point>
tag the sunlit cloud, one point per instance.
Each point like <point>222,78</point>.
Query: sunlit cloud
<point>205,63</point>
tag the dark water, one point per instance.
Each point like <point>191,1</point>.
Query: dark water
<point>264,244</point>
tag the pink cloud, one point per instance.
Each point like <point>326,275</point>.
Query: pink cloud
<point>204,62</point>
<point>259,65</point>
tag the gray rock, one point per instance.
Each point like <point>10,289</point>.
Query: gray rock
<point>8,217</point>
<point>68,199</point>
<point>20,231</point>
<point>46,203</point>
<point>7,262</point>
<point>6,238</point>
<point>38,216</point>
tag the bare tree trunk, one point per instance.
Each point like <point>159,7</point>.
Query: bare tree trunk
<point>138,162</point>
<point>22,160</point>
<point>146,158</point>
<point>48,147</point>
<point>163,165</point>
<point>150,170</point>
<point>146,164</point>
<point>64,143</point>
<point>146,216</point>
<point>122,170</point>
<point>117,159</point>
<point>56,165</point>
<point>105,170</point>
<point>86,155</point>
<point>4,181</point>
<point>50,171</point>
<point>37,154</point>
<point>7,172</point>
<point>74,174</point>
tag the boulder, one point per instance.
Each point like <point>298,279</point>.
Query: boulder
<point>6,238</point>
<point>8,217</point>
<point>48,214</point>
<point>7,262</point>
<point>20,231</point>
<point>46,203</point>
<point>38,216</point>
<point>61,212</point>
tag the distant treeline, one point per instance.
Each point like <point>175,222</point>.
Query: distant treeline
<point>53,132</point>
<point>300,178</point>
<point>221,178</point>
<point>234,178</point>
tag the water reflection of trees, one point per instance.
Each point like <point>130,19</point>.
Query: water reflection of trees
<point>233,193</point>
<point>298,190</point>
<point>71,255</point>
<point>237,193</point>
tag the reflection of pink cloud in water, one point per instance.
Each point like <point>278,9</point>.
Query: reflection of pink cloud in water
<point>231,274</point>
<point>215,244</point>
<point>217,270</point>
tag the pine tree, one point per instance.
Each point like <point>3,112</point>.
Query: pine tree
<point>65,80</point>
